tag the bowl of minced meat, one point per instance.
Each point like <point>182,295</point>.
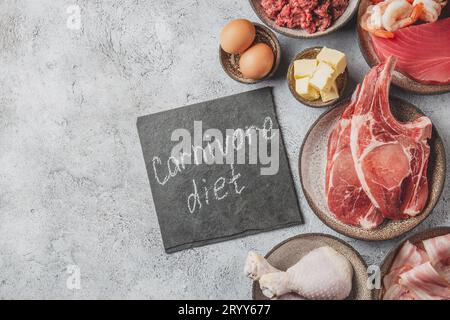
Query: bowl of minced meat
<point>305,18</point>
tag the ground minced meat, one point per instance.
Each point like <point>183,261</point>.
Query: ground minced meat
<point>310,15</point>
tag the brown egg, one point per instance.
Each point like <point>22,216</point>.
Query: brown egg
<point>237,36</point>
<point>256,62</point>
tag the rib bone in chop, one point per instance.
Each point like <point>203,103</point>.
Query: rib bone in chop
<point>345,195</point>
<point>376,165</point>
<point>391,157</point>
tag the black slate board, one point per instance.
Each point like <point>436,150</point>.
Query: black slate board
<point>248,204</point>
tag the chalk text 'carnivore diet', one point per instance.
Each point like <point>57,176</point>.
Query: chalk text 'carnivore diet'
<point>310,15</point>
<point>377,166</point>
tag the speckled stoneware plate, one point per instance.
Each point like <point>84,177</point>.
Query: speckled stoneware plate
<point>230,62</point>
<point>415,239</point>
<point>312,162</point>
<point>341,80</point>
<point>398,79</point>
<point>290,251</point>
<point>300,33</point>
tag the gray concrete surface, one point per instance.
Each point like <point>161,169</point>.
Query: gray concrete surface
<point>73,186</point>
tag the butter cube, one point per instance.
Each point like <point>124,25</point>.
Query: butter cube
<point>331,93</point>
<point>334,58</point>
<point>304,68</point>
<point>305,90</point>
<point>323,77</point>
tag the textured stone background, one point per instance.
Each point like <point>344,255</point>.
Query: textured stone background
<point>73,187</point>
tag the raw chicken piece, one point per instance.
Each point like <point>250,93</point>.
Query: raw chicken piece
<point>289,296</point>
<point>256,266</point>
<point>321,274</point>
<point>438,249</point>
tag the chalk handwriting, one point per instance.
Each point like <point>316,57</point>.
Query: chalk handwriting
<point>197,199</point>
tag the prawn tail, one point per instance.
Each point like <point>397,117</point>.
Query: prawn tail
<point>417,12</point>
<point>415,15</point>
<point>382,34</point>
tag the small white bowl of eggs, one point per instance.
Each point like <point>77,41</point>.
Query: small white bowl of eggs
<point>249,52</point>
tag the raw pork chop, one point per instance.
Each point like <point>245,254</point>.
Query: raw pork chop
<point>391,158</point>
<point>423,51</point>
<point>346,198</point>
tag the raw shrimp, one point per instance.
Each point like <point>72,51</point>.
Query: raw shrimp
<point>400,13</point>
<point>383,18</point>
<point>371,20</point>
<point>431,9</point>
<point>375,15</point>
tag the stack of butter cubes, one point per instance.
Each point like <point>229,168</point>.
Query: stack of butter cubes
<point>316,78</point>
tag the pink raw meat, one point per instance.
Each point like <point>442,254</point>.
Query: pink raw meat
<point>418,274</point>
<point>399,292</point>
<point>426,283</point>
<point>273,7</point>
<point>423,51</point>
<point>346,198</point>
<point>407,258</point>
<point>438,249</point>
<point>310,15</point>
<point>390,157</point>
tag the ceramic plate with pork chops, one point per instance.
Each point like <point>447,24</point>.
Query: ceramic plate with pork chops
<point>422,49</point>
<point>373,168</point>
<point>305,18</point>
<point>294,251</point>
